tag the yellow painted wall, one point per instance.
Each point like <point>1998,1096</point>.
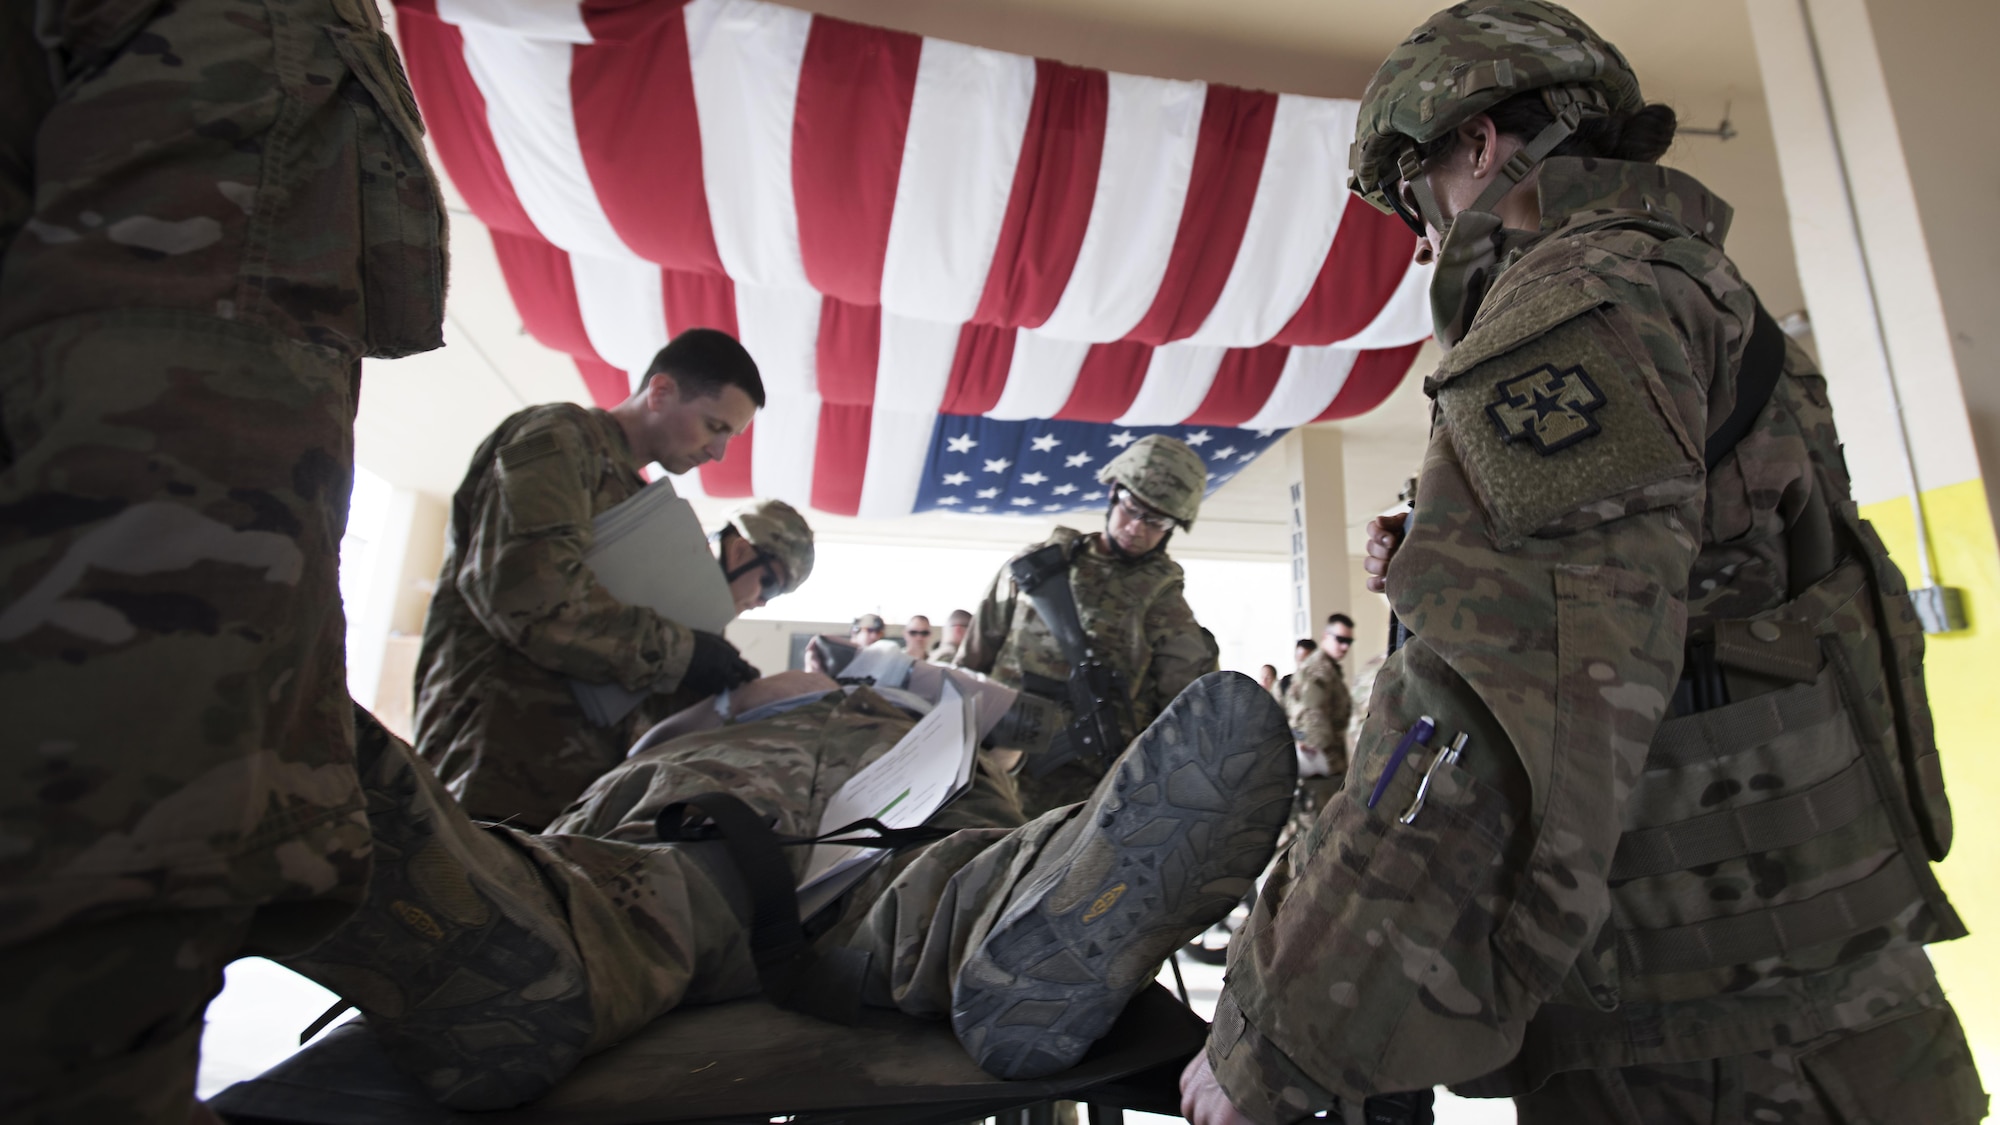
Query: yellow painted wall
<point>1963,672</point>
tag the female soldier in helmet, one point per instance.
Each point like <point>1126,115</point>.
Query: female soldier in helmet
<point>1666,857</point>
<point>1129,597</point>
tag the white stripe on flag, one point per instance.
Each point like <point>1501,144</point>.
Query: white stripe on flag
<point>622,313</point>
<point>1150,129</point>
<point>745,57</point>
<point>1040,377</point>
<point>1177,380</point>
<point>967,120</point>
<point>1307,386</point>
<point>526,85</point>
<point>1300,196</point>
<point>1404,319</point>
<point>912,370</point>
<point>780,329</point>
<point>558,20</point>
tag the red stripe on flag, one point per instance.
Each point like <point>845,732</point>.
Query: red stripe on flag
<point>698,300</point>
<point>455,111</point>
<point>1242,385</point>
<point>840,458</point>
<point>1107,382</point>
<point>544,290</point>
<point>978,369</point>
<point>849,346</point>
<point>633,97</point>
<point>855,89</point>
<point>1375,374</point>
<point>1049,208</point>
<point>1228,160</point>
<point>607,385</point>
<point>1370,254</point>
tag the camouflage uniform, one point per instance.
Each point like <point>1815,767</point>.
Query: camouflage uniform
<point>1318,707</point>
<point>213,211</point>
<point>1614,918</point>
<point>518,614</point>
<point>490,960</point>
<point>1135,608</point>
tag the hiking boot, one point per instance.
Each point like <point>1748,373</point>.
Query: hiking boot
<point>460,957</point>
<point>1170,841</point>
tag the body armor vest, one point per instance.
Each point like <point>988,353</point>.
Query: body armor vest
<point>1773,881</point>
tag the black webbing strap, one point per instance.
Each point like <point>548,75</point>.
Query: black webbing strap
<point>1753,936</point>
<point>1756,377</point>
<point>1767,826</point>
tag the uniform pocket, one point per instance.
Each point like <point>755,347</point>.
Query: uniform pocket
<point>402,215</point>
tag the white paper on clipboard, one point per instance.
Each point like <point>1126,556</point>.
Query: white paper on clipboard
<point>903,788</point>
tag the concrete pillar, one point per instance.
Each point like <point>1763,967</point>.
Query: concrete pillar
<point>1878,108</point>
<point>1317,488</point>
<point>386,623</point>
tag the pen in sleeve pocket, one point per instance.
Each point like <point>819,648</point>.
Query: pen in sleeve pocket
<point>1445,757</point>
<point>1416,735</point>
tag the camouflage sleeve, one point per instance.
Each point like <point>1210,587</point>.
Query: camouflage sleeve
<point>990,624</point>
<point>523,575</point>
<point>1320,694</point>
<point>1547,600</point>
<point>1182,652</point>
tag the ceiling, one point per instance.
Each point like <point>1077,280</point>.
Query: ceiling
<point>421,417</point>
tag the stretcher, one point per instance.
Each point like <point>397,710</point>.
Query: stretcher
<point>750,1063</point>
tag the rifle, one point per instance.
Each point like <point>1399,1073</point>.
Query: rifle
<point>1098,696</point>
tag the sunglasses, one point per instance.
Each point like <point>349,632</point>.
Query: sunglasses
<point>1135,510</point>
<point>770,583</point>
<point>916,632</point>
<point>1340,640</point>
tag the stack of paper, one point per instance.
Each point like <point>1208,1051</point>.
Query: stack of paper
<point>903,788</point>
<point>651,551</point>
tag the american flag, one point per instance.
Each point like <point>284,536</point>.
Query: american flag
<point>984,466</point>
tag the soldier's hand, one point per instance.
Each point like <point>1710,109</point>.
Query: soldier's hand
<point>1203,1101</point>
<point>1385,535</point>
<point>716,666</point>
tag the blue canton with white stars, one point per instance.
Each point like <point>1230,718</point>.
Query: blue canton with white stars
<point>986,466</point>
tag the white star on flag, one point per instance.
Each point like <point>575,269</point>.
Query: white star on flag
<point>955,479</point>
<point>950,500</point>
<point>1123,438</point>
<point>1052,507</point>
<point>988,493</point>
<point>1033,478</point>
<point>1021,501</point>
<point>979,508</point>
<point>1094,494</point>
<point>963,443</point>
<point>1265,433</point>
<point>1248,457</point>
<point>999,465</point>
<point>1226,451</point>
<point>1077,460</point>
<point>1045,443</point>
<point>1199,437</point>
<point>1063,489</point>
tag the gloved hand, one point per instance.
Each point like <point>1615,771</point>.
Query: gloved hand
<point>716,666</point>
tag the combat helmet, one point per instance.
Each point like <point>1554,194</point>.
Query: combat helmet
<point>1164,472</point>
<point>1464,61</point>
<point>777,529</point>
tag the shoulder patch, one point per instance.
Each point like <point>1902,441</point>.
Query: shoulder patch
<point>1549,408</point>
<point>1567,420</point>
<point>534,447</point>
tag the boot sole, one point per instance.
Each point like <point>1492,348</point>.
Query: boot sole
<point>1183,827</point>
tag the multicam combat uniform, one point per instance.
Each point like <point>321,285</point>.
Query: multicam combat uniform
<point>518,615</point>
<point>1612,917</point>
<point>1135,609</point>
<point>1318,707</point>
<point>212,212</point>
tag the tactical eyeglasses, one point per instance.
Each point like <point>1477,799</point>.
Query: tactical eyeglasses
<point>771,583</point>
<point>1135,509</point>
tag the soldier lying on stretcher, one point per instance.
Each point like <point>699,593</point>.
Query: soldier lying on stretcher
<point>490,960</point>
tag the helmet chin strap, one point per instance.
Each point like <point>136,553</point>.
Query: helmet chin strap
<point>1570,105</point>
